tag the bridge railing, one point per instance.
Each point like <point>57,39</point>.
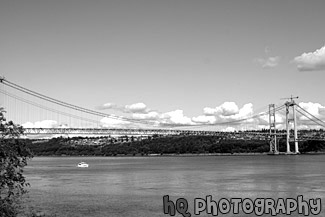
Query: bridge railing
<point>244,135</point>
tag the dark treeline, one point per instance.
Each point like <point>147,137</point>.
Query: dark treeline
<point>165,145</point>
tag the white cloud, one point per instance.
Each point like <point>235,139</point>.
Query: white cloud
<point>230,111</point>
<point>41,124</point>
<point>226,109</point>
<point>312,61</point>
<point>245,111</point>
<point>229,129</point>
<point>226,113</point>
<point>263,121</point>
<point>209,111</point>
<point>175,117</point>
<point>114,123</point>
<point>133,108</point>
<point>148,116</point>
<point>313,108</point>
<point>223,117</point>
<point>107,106</point>
<point>136,108</point>
<point>303,122</point>
<point>270,62</point>
<point>202,119</point>
<point>281,126</point>
<point>308,127</point>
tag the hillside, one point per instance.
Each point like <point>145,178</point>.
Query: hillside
<point>161,145</point>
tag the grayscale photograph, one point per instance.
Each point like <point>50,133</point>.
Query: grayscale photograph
<point>159,108</point>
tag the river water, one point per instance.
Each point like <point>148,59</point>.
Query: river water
<point>135,186</point>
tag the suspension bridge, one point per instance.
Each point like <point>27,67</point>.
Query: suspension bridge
<point>41,115</point>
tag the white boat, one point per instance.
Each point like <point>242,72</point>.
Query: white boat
<point>82,164</point>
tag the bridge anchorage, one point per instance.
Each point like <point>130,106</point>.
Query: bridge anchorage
<point>274,144</point>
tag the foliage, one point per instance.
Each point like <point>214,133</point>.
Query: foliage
<point>161,145</point>
<point>13,157</point>
<point>155,145</point>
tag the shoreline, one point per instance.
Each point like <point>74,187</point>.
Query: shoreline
<point>189,155</point>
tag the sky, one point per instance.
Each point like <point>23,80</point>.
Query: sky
<point>172,61</point>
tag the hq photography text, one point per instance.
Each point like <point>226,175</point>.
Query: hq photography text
<point>258,206</point>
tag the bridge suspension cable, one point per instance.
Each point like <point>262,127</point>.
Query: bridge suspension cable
<point>318,122</point>
<point>71,106</point>
<point>45,108</point>
<point>40,96</point>
<point>100,114</point>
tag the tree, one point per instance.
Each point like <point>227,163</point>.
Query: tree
<point>13,157</point>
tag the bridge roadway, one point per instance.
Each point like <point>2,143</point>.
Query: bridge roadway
<point>140,132</point>
<point>116,131</point>
<point>245,135</point>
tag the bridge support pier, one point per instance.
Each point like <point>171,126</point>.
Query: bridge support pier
<point>294,120</point>
<point>295,129</point>
<point>273,142</point>
<point>287,129</point>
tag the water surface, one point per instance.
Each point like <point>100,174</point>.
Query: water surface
<point>135,186</point>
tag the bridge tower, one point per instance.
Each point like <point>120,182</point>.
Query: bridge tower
<point>292,104</point>
<point>273,143</point>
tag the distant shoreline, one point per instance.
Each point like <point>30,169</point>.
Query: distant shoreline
<point>168,146</point>
<point>188,155</point>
